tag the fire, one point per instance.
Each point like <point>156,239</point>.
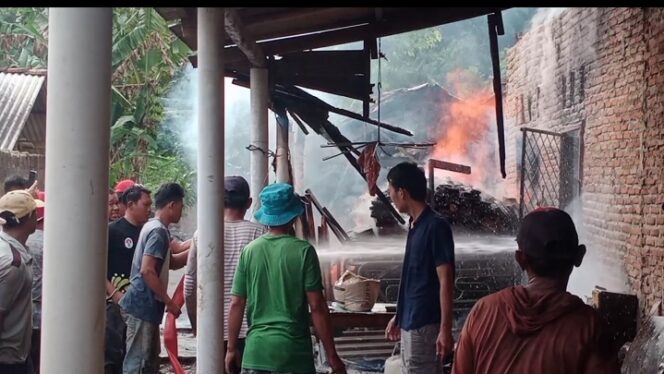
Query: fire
<point>468,134</point>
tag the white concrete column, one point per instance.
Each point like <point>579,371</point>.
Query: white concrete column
<point>298,141</point>
<point>210,217</point>
<point>283,176</point>
<point>259,134</point>
<point>77,145</point>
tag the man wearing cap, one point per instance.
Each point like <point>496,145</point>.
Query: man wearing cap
<point>35,244</point>
<point>122,239</point>
<point>120,188</point>
<point>18,214</point>
<point>539,327</point>
<point>278,279</point>
<point>15,182</point>
<point>238,232</point>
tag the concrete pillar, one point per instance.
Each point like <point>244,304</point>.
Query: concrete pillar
<point>259,133</point>
<point>298,141</point>
<point>283,175</point>
<point>77,145</point>
<point>210,215</point>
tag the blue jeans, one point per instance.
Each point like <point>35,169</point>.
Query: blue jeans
<point>143,347</point>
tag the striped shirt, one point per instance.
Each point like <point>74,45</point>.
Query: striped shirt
<point>237,234</point>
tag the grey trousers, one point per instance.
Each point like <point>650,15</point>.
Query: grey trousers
<point>418,351</point>
<point>143,347</point>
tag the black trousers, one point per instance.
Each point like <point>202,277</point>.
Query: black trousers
<point>14,368</point>
<point>114,342</point>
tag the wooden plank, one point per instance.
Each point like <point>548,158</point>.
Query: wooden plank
<point>298,21</point>
<point>311,224</point>
<point>345,320</point>
<point>331,221</point>
<point>323,233</point>
<point>170,14</point>
<point>620,312</point>
<point>496,28</point>
<point>244,40</point>
<point>450,166</point>
<point>399,21</point>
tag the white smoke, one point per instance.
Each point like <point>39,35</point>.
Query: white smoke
<point>545,15</point>
<point>592,272</point>
<point>181,123</point>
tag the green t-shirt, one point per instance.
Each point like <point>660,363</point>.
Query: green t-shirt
<point>274,274</point>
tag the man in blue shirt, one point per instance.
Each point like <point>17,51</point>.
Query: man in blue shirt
<point>147,297</point>
<point>423,320</point>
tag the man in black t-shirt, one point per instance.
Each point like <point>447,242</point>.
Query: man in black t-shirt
<point>122,238</point>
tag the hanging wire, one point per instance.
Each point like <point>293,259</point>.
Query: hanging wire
<point>379,144</point>
<point>380,85</point>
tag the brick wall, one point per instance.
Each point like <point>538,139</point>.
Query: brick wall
<point>21,163</point>
<point>602,71</point>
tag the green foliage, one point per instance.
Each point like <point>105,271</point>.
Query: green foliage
<point>23,37</point>
<point>145,58</point>
<point>430,55</point>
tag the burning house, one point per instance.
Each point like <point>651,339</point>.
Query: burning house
<point>584,105</point>
<point>584,108</point>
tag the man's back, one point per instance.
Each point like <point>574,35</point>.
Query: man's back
<point>35,244</point>
<point>515,331</point>
<point>15,300</point>
<point>274,274</point>
<point>237,234</point>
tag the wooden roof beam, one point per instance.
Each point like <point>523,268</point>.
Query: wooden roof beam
<point>236,30</point>
<point>306,20</point>
<point>408,21</point>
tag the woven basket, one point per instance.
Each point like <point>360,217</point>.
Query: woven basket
<point>356,293</point>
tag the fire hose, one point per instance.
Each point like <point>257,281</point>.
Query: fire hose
<point>170,331</point>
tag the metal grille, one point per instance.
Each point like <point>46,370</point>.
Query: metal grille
<point>540,170</point>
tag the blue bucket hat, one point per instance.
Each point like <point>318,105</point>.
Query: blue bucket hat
<point>279,205</point>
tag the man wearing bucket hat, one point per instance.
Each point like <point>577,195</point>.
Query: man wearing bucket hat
<point>539,327</point>
<point>277,277</point>
<point>18,215</point>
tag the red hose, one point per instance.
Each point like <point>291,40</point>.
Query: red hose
<point>170,332</point>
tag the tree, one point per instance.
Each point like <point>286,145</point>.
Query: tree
<point>23,37</point>
<point>145,58</point>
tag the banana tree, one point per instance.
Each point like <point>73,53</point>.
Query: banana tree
<point>23,37</point>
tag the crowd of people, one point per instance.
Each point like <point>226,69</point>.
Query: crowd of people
<point>273,287</point>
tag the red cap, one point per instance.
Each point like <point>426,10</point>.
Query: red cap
<point>41,195</point>
<point>124,185</point>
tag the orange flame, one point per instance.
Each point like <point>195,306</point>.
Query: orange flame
<point>468,135</point>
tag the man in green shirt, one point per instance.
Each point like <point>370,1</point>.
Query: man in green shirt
<point>278,280</point>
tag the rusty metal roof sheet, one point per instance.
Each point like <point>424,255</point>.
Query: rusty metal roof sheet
<point>18,93</point>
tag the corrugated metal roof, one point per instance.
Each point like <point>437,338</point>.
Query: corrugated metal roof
<point>18,93</point>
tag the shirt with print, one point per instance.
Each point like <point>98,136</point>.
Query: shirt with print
<point>237,234</point>
<point>274,274</point>
<point>35,244</point>
<point>15,300</point>
<point>122,241</point>
<point>140,301</point>
<point>429,245</point>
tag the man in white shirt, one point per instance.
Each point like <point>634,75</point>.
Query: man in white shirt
<point>18,215</point>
